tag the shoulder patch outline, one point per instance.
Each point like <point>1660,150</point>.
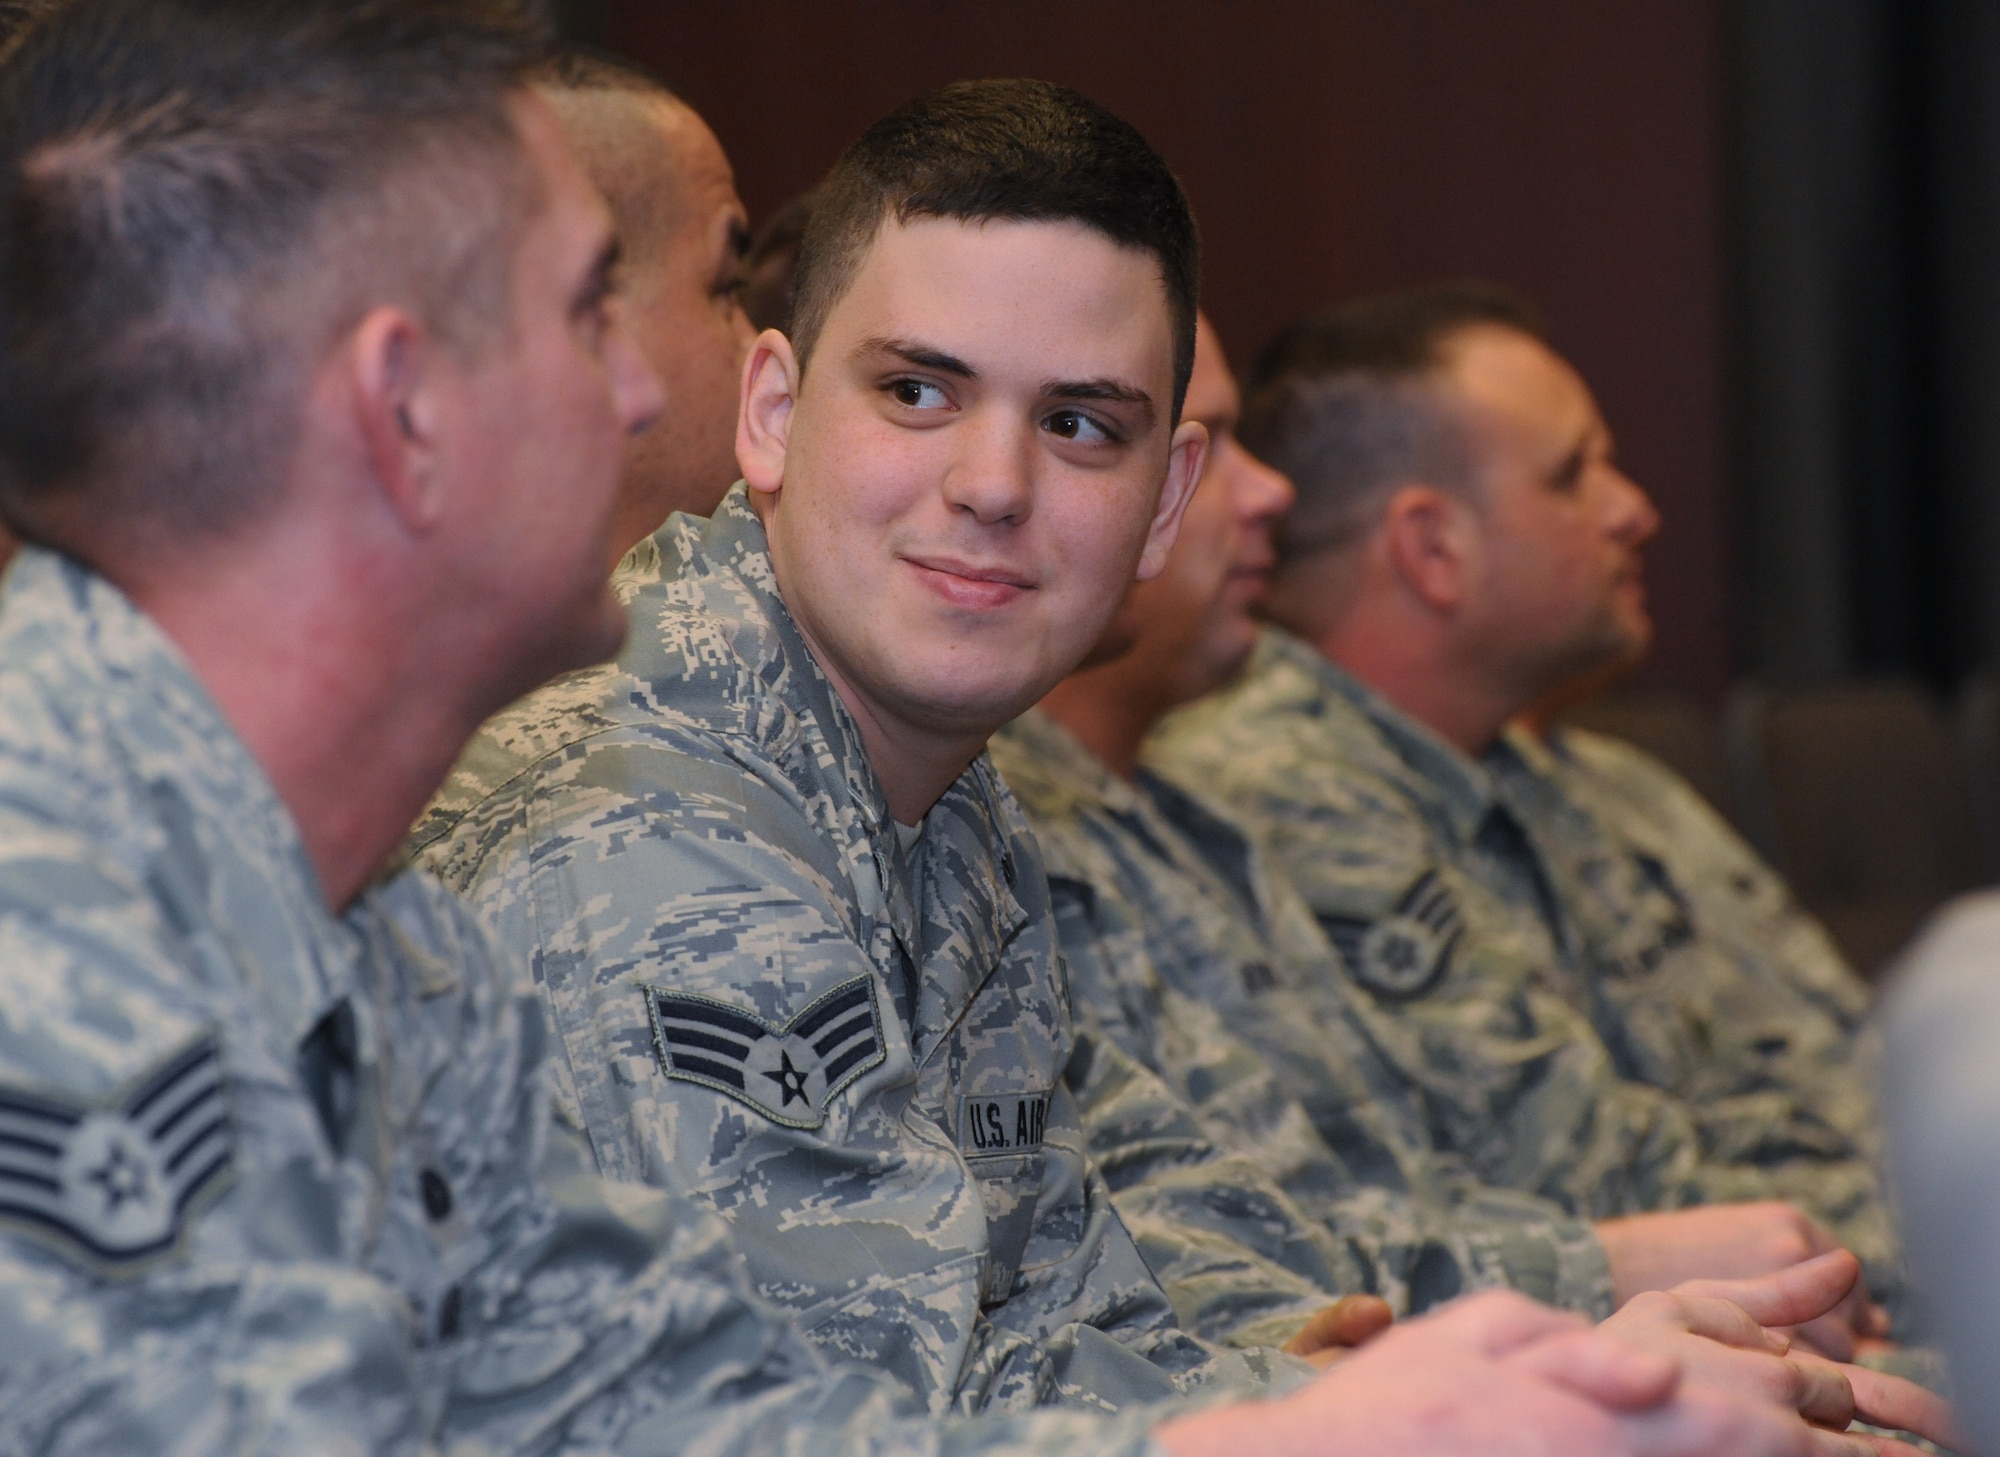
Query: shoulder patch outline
<point>112,1186</point>
<point>1403,955</point>
<point>834,1040</point>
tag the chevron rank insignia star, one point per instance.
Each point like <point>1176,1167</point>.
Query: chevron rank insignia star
<point>1407,952</point>
<point>787,1073</point>
<point>112,1185</point>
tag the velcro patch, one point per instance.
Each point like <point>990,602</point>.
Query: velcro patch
<point>994,1123</point>
<point>112,1185</point>
<point>788,1073</point>
<point>1408,951</point>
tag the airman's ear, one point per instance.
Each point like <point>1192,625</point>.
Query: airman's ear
<point>771,379</point>
<point>1187,455</point>
<point>396,412</point>
<point>1430,540</point>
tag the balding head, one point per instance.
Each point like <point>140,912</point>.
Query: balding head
<point>673,198</point>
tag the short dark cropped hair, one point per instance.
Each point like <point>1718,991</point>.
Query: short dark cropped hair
<point>1014,150</point>
<point>196,196</point>
<point>1342,403</point>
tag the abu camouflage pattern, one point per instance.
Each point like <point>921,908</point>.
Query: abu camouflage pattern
<point>1188,957</point>
<point>1787,1011</point>
<point>342,1219</point>
<point>1709,980</point>
<point>697,826</point>
<point>1357,802</point>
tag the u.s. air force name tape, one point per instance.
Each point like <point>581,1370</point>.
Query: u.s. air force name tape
<point>786,1072</point>
<point>996,1123</point>
<point>111,1185</point>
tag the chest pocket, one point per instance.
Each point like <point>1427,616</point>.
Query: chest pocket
<point>1000,1137</point>
<point>1645,918</point>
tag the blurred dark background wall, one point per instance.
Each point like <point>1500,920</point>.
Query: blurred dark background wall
<point>1763,229</point>
<point>1863,139</point>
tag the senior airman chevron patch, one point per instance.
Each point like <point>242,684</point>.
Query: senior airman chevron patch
<point>788,1073</point>
<point>111,1185</point>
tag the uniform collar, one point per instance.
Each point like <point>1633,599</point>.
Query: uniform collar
<point>1460,789</point>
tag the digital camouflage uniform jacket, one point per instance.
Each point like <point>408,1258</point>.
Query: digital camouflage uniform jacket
<point>1212,973</point>
<point>1451,905</point>
<point>1711,981</point>
<point>275,1181</point>
<point>854,1052</point>
<point>1378,824</point>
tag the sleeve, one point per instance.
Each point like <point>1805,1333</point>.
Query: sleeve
<point>1347,1227</point>
<point>1471,1045</point>
<point>168,1283</point>
<point>1241,1265</point>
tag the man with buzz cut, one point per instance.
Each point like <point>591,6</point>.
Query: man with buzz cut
<point>792,931</point>
<point>680,225</point>
<point>1463,546</point>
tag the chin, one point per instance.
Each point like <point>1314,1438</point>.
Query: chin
<point>974,703</point>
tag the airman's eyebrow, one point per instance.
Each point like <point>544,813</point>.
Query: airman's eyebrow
<point>602,280</point>
<point>1570,469</point>
<point>921,356</point>
<point>1108,391</point>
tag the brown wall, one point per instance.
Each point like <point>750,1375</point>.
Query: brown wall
<point>1567,147</point>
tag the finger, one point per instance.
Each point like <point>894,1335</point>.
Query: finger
<point>1883,1400</point>
<point>1829,1336</point>
<point>1824,1396</point>
<point>1889,1446</point>
<point>1713,1317</point>
<point>1843,1444</point>
<point>1601,1369</point>
<point>1705,1422</point>
<point>1350,1321</point>
<point>1791,1296</point>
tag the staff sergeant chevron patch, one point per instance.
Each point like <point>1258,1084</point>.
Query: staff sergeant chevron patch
<point>788,1073</point>
<point>112,1185</point>
<point>1408,951</point>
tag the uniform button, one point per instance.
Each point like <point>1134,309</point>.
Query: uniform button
<point>437,1195</point>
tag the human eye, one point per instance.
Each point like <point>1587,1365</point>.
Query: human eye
<point>918,394</point>
<point>1081,427</point>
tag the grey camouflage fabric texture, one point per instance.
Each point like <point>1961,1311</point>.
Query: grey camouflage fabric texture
<point>1770,1010</point>
<point>692,848</point>
<point>1490,972</point>
<point>1185,953</point>
<point>306,1193</point>
<point>1711,981</point>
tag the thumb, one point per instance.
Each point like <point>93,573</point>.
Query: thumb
<point>1351,1320</point>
